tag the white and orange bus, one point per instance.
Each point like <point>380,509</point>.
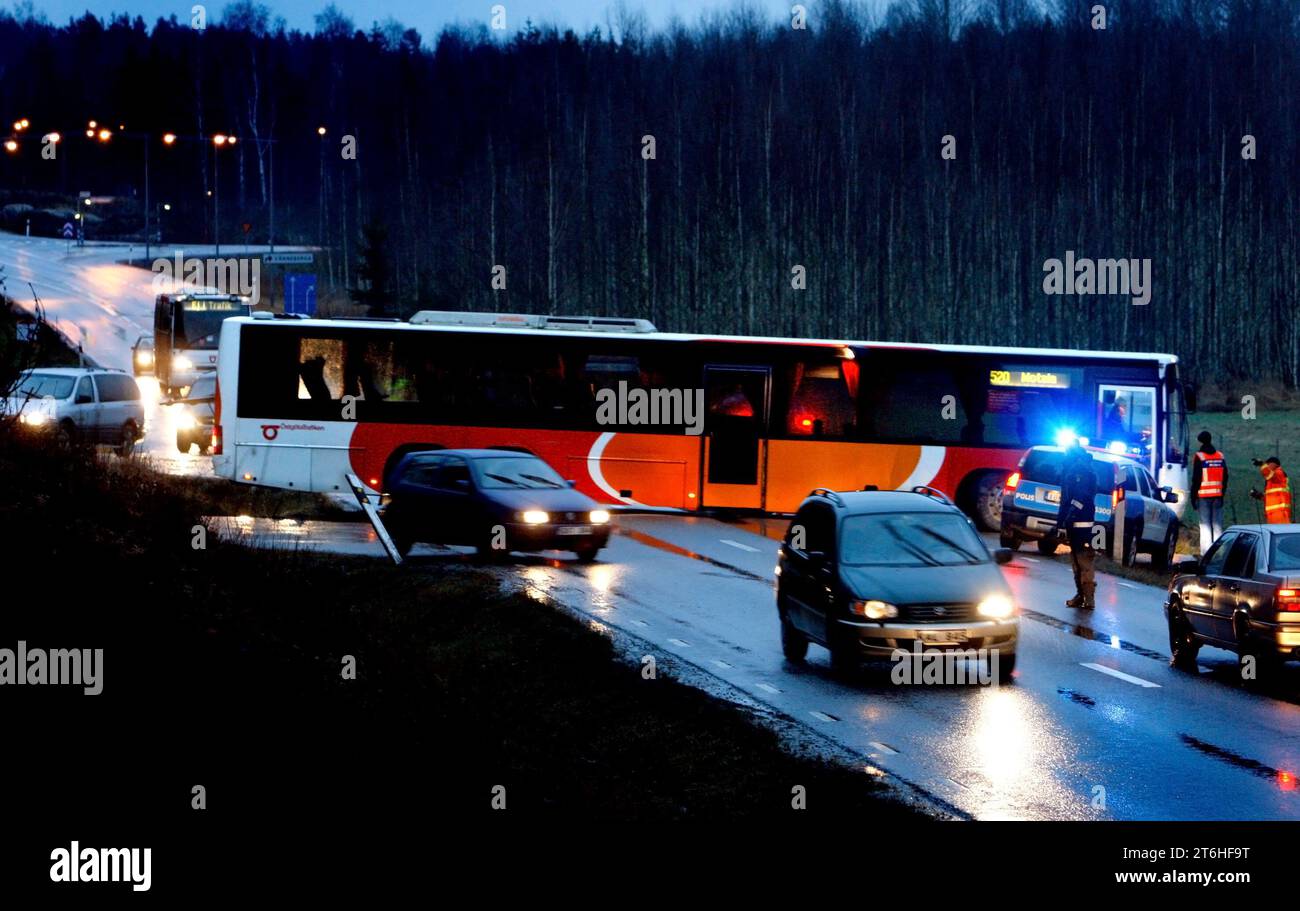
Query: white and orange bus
<point>304,402</point>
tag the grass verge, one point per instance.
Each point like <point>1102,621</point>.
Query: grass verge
<point>224,666</point>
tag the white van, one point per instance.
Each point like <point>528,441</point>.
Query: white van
<point>89,404</point>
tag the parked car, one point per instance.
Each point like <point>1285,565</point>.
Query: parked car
<point>142,356</point>
<point>80,404</point>
<point>866,572</point>
<point>1032,500</point>
<point>195,415</point>
<point>496,500</point>
<point>1243,595</point>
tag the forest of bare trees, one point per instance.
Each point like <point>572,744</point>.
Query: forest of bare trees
<point>781,156</point>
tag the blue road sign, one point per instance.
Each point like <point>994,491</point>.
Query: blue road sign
<point>68,231</point>
<point>300,293</point>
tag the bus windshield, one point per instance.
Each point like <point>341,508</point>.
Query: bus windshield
<point>200,329</point>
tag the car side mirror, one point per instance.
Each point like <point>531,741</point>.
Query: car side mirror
<point>1167,494</point>
<point>85,400</point>
<point>461,483</point>
<point>1003,555</point>
<point>1188,566</point>
<point>817,559</point>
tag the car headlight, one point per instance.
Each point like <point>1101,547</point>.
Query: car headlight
<point>186,421</point>
<point>873,610</point>
<point>997,607</point>
<point>34,418</point>
<point>144,358</point>
<point>534,517</point>
<point>181,362</point>
<point>599,516</point>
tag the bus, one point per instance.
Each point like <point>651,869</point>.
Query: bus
<point>186,331</point>
<point>304,402</point>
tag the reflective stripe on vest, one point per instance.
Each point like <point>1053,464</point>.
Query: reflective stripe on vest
<point>1277,497</point>
<point>1211,474</point>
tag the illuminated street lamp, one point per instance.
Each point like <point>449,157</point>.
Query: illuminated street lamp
<point>105,135</point>
<point>169,139</point>
<point>55,138</point>
<point>218,140</point>
<point>11,145</point>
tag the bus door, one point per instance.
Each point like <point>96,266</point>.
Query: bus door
<point>736,403</point>
<point>1126,422</point>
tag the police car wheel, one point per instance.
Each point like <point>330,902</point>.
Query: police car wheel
<point>1129,554</point>
<point>1046,546</point>
<point>1010,542</point>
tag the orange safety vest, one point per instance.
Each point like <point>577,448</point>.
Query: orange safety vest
<point>1211,474</point>
<point>1277,496</point>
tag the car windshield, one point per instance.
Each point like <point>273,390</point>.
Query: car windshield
<point>910,539</point>
<point>145,342</point>
<point>517,472</point>
<point>1044,467</point>
<point>39,385</point>
<point>1285,553</point>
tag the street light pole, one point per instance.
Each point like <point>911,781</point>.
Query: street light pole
<point>147,238</point>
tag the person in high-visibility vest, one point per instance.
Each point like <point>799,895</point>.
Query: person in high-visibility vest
<point>1209,486</point>
<point>1277,491</point>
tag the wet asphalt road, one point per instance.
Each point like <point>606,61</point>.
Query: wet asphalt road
<point>1096,725</point>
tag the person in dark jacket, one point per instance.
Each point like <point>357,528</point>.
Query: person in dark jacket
<point>1076,518</point>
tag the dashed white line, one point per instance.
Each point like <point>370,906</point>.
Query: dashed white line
<point>1030,559</point>
<point>722,664</point>
<point>768,687</point>
<point>884,748</point>
<point>737,544</point>
<point>1120,675</point>
<point>639,622</point>
<point>682,642</point>
<point>1125,584</point>
<point>822,716</point>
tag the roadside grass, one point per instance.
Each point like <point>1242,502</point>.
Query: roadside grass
<point>1271,432</point>
<point>224,666</point>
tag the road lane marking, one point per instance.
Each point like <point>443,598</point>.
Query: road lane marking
<point>737,544</point>
<point>682,642</point>
<point>1030,559</point>
<point>883,748</point>
<point>822,716</point>
<point>1120,675</point>
<point>1125,584</point>
<point>723,664</point>
<point>768,687</point>
<point>639,622</point>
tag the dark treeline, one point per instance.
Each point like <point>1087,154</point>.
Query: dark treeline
<point>774,148</point>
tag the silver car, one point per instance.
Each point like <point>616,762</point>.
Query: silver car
<point>85,404</point>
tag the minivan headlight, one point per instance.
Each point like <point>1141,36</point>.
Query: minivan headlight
<point>873,610</point>
<point>34,418</point>
<point>181,362</point>
<point>534,517</point>
<point>997,607</point>
<point>599,516</point>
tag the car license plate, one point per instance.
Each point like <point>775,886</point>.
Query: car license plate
<point>1053,496</point>
<point>573,530</point>
<point>943,636</point>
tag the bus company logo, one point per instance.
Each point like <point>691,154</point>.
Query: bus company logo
<point>653,407</point>
<point>231,275</point>
<point>1130,277</point>
<point>271,431</point>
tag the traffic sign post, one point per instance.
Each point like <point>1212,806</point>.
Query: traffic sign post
<point>300,293</point>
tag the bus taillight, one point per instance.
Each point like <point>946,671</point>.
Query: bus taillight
<point>216,439</point>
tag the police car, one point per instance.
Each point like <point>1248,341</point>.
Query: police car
<point>1032,499</point>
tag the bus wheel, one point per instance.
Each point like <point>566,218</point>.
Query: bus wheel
<point>987,500</point>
